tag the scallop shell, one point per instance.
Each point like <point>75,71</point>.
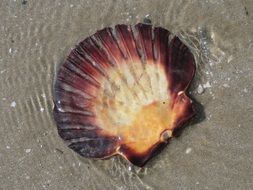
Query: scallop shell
<point>123,91</point>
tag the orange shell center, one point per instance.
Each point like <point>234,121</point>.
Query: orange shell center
<point>135,105</point>
<point>147,127</point>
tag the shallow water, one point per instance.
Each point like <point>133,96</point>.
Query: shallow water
<point>214,152</point>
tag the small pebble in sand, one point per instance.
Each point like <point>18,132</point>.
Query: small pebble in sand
<point>13,104</point>
<point>226,85</point>
<point>8,147</point>
<point>71,5</point>
<point>28,150</point>
<point>27,177</point>
<point>207,85</point>
<point>245,90</point>
<point>147,19</point>
<point>3,71</point>
<point>200,89</point>
<point>10,50</point>
<point>188,150</point>
<point>43,95</point>
<point>42,109</point>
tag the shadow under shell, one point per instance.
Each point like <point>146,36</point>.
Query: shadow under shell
<point>123,91</point>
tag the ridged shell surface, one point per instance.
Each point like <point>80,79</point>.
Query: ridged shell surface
<point>123,91</point>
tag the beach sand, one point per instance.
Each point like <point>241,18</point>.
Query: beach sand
<point>213,152</point>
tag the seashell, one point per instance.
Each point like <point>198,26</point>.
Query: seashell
<point>122,91</point>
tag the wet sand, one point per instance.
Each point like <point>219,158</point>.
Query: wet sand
<point>213,152</point>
